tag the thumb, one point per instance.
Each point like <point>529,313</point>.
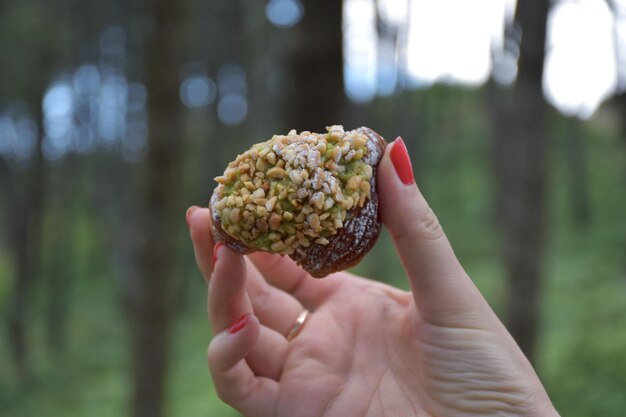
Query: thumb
<point>441,288</point>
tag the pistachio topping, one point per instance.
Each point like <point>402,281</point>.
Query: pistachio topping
<point>294,190</point>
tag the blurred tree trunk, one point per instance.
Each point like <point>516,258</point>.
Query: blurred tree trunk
<point>621,104</point>
<point>317,97</point>
<point>6,183</point>
<point>57,277</point>
<point>619,49</point>
<point>26,218</point>
<point>17,228</point>
<point>411,125</point>
<point>60,229</point>
<point>65,180</point>
<point>39,29</point>
<point>499,102</point>
<point>523,177</point>
<point>17,314</point>
<point>152,300</point>
<point>26,221</point>
<point>619,101</point>
<point>577,173</point>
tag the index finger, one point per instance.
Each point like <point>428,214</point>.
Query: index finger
<point>200,230</point>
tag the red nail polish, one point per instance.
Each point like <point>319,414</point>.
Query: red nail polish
<point>190,211</point>
<point>239,324</point>
<point>401,162</point>
<point>216,248</point>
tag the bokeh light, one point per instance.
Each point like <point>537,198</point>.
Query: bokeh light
<point>26,144</point>
<point>232,109</point>
<point>7,136</point>
<point>580,67</point>
<point>504,66</point>
<point>284,13</point>
<point>112,108</point>
<point>360,49</point>
<point>87,80</point>
<point>58,113</point>
<point>135,139</point>
<point>18,137</point>
<point>197,90</point>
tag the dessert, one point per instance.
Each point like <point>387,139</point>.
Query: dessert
<point>309,196</point>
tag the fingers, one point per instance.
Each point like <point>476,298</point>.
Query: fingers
<point>229,301</point>
<point>440,286</point>
<point>234,380</point>
<point>200,230</point>
<point>275,308</point>
<point>286,275</point>
<point>268,356</point>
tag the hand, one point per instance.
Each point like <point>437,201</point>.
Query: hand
<point>367,349</point>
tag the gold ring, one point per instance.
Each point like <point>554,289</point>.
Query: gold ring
<point>299,324</point>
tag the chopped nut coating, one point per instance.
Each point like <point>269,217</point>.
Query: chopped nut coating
<point>294,190</point>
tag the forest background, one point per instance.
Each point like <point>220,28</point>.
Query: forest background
<point>116,115</point>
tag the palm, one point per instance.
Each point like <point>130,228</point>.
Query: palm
<point>362,343</point>
<point>344,353</point>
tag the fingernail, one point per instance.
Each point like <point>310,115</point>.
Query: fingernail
<point>402,162</point>
<point>190,211</point>
<point>239,324</point>
<point>216,249</point>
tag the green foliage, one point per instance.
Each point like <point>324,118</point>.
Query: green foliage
<point>87,379</point>
<point>582,354</point>
<point>584,339</point>
<point>190,390</point>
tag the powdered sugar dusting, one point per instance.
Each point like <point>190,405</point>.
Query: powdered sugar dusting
<point>294,189</point>
<point>360,232</point>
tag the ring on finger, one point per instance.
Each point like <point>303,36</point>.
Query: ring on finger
<point>298,325</point>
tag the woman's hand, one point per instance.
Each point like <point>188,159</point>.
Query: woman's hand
<point>366,349</point>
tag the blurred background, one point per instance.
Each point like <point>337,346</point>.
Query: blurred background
<point>115,116</point>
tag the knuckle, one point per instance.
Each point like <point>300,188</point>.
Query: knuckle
<point>212,357</point>
<point>429,227</point>
<point>225,394</point>
<point>425,226</point>
<point>262,294</point>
